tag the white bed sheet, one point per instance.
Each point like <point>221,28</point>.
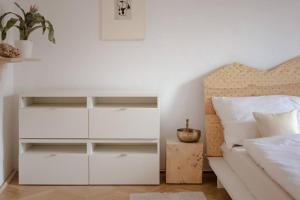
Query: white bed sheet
<point>259,184</point>
<point>280,157</point>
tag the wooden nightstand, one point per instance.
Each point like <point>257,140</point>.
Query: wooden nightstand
<point>184,162</point>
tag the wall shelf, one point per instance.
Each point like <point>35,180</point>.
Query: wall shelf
<point>4,60</point>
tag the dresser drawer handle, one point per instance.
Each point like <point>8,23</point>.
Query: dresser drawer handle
<point>51,155</point>
<point>122,155</point>
<point>122,109</point>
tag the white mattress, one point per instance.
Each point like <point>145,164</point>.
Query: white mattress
<point>259,184</point>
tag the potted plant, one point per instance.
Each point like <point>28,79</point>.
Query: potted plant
<point>26,23</point>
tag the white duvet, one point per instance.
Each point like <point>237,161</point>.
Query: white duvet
<point>280,158</point>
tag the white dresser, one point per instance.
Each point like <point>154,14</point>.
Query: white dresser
<point>89,137</point>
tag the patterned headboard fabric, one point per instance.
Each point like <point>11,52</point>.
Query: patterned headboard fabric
<point>236,80</point>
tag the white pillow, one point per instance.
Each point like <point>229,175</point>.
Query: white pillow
<point>237,118</point>
<point>236,132</point>
<point>296,103</point>
<point>277,124</point>
<point>241,108</point>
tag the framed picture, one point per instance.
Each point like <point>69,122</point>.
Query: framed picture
<point>123,19</point>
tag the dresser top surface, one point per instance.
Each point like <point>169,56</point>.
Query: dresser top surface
<point>89,93</point>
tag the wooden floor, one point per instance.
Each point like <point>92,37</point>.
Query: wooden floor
<point>14,191</point>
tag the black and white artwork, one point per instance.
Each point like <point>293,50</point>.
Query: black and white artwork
<point>123,9</point>
<point>123,19</point>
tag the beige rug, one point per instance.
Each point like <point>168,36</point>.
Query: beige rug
<point>168,196</point>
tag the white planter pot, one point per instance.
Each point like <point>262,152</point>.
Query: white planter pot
<point>25,46</point>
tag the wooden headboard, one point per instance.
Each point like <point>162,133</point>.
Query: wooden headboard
<point>239,80</point>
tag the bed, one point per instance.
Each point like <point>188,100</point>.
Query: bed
<point>240,175</point>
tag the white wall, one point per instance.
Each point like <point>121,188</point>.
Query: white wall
<point>185,40</point>
<point>8,131</point>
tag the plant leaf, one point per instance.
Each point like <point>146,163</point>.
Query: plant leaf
<point>23,11</point>
<point>35,28</point>
<point>33,19</point>
<point>3,34</point>
<point>10,23</point>
<point>22,25</point>
<point>1,19</point>
<point>24,33</point>
<point>29,20</point>
<point>39,19</point>
<point>44,25</point>
<point>50,28</point>
<point>12,13</point>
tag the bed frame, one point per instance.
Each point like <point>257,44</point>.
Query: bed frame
<point>240,80</point>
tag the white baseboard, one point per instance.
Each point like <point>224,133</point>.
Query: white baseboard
<point>7,181</point>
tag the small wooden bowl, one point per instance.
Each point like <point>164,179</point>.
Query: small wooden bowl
<point>188,135</point>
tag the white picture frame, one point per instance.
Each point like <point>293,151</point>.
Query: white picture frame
<point>123,19</point>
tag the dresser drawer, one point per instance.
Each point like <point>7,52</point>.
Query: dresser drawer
<point>124,169</point>
<point>53,123</point>
<point>124,123</point>
<point>53,169</point>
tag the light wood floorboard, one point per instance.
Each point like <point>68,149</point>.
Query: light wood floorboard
<point>14,191</point>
